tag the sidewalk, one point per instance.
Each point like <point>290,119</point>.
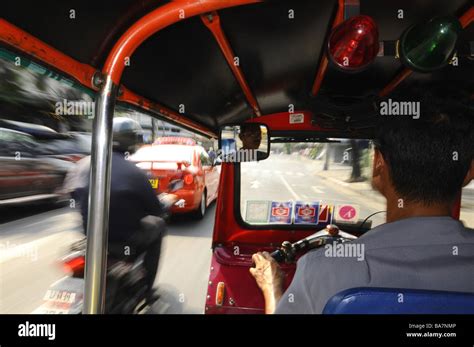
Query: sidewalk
<point>339,174</point>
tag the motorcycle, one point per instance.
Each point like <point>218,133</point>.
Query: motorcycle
<point>126,288</point>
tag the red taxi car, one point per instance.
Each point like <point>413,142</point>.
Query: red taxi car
<point>181,158</point>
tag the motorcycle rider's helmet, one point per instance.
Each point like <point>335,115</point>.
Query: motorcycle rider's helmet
<point>127,135</point>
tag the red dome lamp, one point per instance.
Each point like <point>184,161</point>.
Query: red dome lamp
<point>354,44</point>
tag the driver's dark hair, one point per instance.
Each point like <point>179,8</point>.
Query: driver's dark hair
<point>429,157</point>
<point>249,127</point>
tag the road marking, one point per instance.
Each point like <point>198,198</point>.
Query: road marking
<point>317,189</point>
<point>289,173</point>
<point>255,184</point>
<point>289,188</point>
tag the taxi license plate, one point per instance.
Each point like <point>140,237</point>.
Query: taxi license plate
<point>154,183</point>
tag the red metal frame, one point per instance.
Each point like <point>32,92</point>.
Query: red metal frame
<point>212,22</point>
<point>153,22</point>
<point>466,19</point>
<point>83,73</point>
<point>241,294</point>
<point>395,82</point>
<point>323,65</point>
<point>134,99</point>
<point>281,122</point>
<point>24,42</point>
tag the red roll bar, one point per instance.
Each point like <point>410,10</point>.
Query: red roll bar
<point>323,65</point>
<point>84,73</point>
<point>153,22</point>
<point>213,23</point>
<point>99,191</point>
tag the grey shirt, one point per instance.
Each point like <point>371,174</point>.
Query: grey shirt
<point>434,253</point>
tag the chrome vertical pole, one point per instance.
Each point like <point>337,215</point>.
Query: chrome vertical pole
<point>99,197</point>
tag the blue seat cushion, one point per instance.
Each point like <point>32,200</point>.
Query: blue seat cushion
<point>399,301</point>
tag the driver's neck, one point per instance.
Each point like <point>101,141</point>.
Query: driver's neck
<point>398,209</point>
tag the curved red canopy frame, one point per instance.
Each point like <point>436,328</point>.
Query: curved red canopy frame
<point>153,22</point>
<point>101,159</point>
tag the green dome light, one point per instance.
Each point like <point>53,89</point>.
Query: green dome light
<point>430,46</point>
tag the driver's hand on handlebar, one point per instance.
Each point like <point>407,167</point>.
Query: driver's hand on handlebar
<point>269,278</point>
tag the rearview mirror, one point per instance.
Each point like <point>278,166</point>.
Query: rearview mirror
<point>244,142</point>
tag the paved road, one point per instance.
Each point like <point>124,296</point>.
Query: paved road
<point>285,177</point>
<point>32,239</point>
<point>29,249</point>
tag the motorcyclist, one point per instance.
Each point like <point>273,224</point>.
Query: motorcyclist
<point>135,225</point>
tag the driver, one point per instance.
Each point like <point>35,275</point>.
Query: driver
<point>420,167</point>
<point>250,135</point>
<point>135,225</point>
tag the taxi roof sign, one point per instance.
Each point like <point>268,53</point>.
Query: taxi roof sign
<point>175,140</point>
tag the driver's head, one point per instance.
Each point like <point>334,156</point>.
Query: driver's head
<point>426,160</point>
<point>250,135</point>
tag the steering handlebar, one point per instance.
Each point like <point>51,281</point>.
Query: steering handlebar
<point>331,234</point>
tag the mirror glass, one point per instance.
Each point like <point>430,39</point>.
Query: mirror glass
<point>244,142</point>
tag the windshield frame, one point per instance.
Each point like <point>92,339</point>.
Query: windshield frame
<point>356,228</point>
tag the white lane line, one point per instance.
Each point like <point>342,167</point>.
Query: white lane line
<point>289,173</point>
<point>300,174</point>
<point>255,184</point>
<point>317,189</point>
<point>289,188</point>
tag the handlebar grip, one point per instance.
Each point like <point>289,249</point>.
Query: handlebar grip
<point>278,255</point>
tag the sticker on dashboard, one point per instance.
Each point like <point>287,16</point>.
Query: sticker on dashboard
<point>325,214</point>
<point>257,211</point>
<point>347,213</point>
<point>306,212</point>
<point>281,212</point>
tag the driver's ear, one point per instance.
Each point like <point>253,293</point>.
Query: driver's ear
<point>379,163</point>
<point>470,175</point>
<point>378,170</point>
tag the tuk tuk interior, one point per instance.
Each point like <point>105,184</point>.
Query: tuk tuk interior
<point>204,64</point>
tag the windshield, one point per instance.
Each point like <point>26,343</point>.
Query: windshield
<point>172,153</point>
<point>311,184</point>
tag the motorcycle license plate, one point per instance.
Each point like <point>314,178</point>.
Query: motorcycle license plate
<point>63,297</point>
<point>154,183</point>
<point>60,296</point>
